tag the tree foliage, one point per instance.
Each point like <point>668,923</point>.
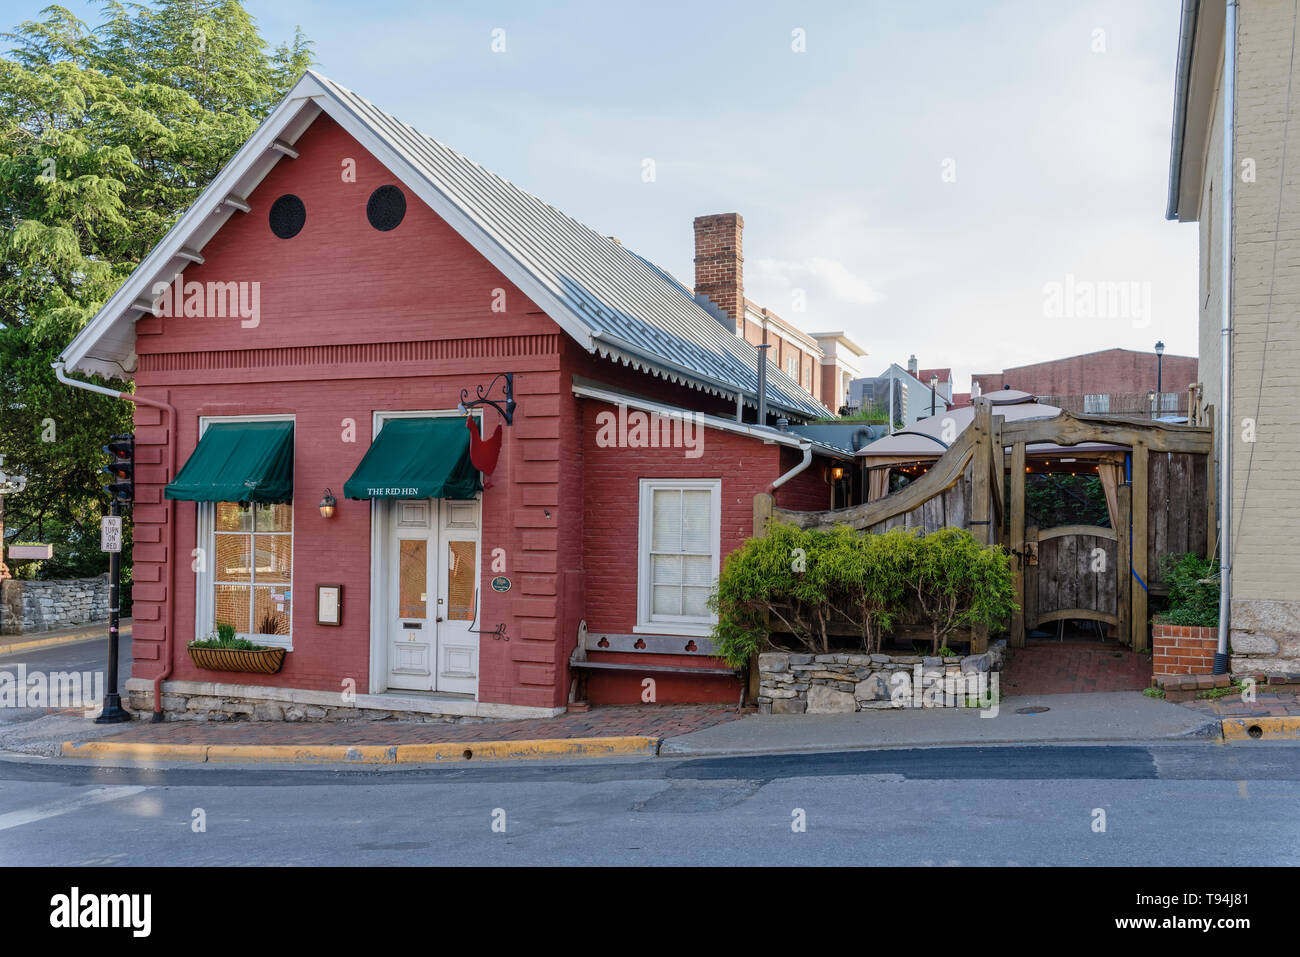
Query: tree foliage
<point>106,137</point>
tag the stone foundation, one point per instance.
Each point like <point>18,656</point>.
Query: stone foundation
<point>791,683</point>
<point>32,606</point>
<point>1265,636</point>
<point>213,701</point>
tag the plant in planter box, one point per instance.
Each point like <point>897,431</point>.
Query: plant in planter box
<point>1193,591</point>
<point>223,651</point>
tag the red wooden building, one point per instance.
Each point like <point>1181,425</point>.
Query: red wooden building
<point>310,328</point>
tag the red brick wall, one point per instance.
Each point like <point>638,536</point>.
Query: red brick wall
<point>1112,371</point>
<point>1183,650</point>
<point>354,320</point>
<point>349,326</point>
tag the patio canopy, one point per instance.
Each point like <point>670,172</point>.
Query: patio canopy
<point>417,458</point>
<point>238,462</point>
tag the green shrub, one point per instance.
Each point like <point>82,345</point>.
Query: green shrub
<point>803,581</point>
<point>960,583</point>
<point>1193,590</point>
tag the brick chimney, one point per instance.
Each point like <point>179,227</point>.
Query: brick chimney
<point>719,265</point>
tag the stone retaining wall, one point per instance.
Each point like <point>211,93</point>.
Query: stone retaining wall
<point>1265,636</point>
<point>33,606</point>
<point>791,683</point>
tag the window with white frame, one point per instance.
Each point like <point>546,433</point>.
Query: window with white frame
<point>678,555</point>
<point>252,574</point>
<point>244,566</point>
<point>792,367</point>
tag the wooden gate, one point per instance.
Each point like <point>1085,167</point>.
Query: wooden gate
<point>1071,573</point>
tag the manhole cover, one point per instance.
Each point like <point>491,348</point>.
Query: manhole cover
<point>1036,709</point>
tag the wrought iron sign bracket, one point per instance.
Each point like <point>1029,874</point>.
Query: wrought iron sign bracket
<point>505,405</point>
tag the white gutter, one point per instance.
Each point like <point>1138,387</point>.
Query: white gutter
<point>1225,345</point>
<point>766,435</point>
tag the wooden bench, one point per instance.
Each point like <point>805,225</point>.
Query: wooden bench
<point>648,645</point>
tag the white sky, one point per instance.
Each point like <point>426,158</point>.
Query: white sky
<point>834,156</point>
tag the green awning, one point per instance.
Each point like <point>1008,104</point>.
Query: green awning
<point>239,462</point>
<point>417,458</point>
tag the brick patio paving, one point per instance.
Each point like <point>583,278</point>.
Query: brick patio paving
<point>1074,667</point>
<point>658,721</point>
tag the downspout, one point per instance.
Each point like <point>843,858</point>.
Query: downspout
<point>807,461</point>
<point>1224,420</point>
<point>61,375</point>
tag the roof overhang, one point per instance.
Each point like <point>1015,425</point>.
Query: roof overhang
<point>1196,81</point>
<point>586,389</point>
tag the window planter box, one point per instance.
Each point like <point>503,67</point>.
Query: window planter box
<point>263,661</point>
<point>23,553</point>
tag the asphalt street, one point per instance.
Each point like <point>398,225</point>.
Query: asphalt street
<point>82,656</point>
<point>1202,804</point>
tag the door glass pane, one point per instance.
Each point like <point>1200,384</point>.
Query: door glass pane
<point>461,557</point>
<point>413,563</point>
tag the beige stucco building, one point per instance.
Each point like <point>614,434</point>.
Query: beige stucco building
<point>1265,402</point>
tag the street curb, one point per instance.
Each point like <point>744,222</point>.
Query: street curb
<point>1265,729</point>
<point>440,753</point>
<point>13,649</point>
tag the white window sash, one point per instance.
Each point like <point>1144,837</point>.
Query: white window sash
<point>687,625</point>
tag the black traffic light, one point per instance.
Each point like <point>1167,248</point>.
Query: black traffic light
<point>121,451</point>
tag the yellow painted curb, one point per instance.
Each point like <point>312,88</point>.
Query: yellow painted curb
<point>302,753</point>
<point>135,750</point>
<point>1261,729</point>
<point>517,750</point>
<point>364,754</point>
<point>13,649</point>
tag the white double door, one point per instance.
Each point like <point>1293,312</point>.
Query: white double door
<point>433,586</point>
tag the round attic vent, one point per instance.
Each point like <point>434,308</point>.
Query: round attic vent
<point>288,215</point>
<point>385,208</point>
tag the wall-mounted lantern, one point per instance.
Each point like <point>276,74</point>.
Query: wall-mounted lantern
<point>327,504</point>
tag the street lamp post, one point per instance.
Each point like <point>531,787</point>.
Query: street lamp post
<point>934,384</point>
<point>1160,360</point>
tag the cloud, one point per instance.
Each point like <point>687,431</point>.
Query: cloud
<point>829,275</point>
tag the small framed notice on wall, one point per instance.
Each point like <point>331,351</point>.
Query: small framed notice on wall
<point>329,604</point>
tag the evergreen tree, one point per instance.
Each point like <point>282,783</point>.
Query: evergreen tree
<point>106,137</point>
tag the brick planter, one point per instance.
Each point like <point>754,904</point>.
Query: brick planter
<point>1183,649</point>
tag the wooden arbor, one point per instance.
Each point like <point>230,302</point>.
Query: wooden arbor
<point>964,488</point>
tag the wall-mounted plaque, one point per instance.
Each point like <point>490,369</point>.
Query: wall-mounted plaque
<point>329,604</point>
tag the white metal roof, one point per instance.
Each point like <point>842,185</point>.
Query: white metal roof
<point>610,300</point>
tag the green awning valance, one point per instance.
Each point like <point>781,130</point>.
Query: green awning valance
<point>239,462</point>
<point>417,458</point>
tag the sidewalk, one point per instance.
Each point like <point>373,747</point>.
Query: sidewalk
<point>13,644</point>
<point>1113,716</point>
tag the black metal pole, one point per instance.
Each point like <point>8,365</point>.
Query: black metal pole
<point>1160,367</point>
<point>113,712</point>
